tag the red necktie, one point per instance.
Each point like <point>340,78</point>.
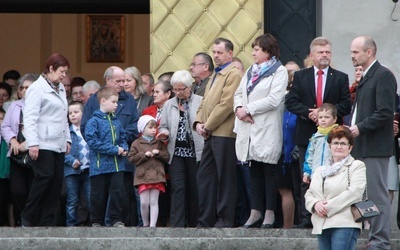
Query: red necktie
<point>319,88</point>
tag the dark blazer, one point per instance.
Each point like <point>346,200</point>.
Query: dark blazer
<point>200,91</point>
<point>375,100</point>
<point>302,97</point>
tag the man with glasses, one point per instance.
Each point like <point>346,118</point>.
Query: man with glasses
<point>201,69</point>
<point>216,176</point>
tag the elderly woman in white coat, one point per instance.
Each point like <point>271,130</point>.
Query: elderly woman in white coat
<point>185,147</point>
<point>259,106</point>
<point>334,187</point>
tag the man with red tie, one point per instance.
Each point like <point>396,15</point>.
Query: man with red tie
<point>312,87</point>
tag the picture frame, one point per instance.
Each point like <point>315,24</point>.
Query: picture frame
<point>105,38</point>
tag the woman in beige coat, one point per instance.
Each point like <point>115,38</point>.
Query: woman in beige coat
<point>333,189</point>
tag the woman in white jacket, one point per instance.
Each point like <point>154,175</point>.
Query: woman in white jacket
<point>48,140</point>
<point>259,106</point>
<point>334,187</point>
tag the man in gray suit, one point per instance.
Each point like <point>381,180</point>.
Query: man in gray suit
<point>372,127</point>
<point>201,68</point>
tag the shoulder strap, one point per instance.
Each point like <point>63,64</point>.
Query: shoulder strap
<point>365,194</point>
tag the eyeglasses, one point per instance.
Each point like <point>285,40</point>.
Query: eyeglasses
<point>195,64</point>
<point>342,144</point>
<point>22,88</point>
<point>179,90</point>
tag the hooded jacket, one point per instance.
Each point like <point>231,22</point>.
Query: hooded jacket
<point>104,134</point>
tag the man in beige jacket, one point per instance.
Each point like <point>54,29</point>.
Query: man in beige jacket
<point>216,176</point>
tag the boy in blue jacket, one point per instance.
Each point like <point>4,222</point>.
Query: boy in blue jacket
<point>318,148</point>
<point>107,142</point>
<point>76,166</point>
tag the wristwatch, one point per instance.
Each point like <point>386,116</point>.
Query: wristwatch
<point>247,111</point>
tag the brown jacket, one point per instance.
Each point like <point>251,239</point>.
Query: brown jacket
<point>216,108</point>
<point>148,169</point>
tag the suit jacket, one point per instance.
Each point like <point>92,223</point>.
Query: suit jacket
<point>302,97</point>
<point>202,89</point>
<point>375,100</point>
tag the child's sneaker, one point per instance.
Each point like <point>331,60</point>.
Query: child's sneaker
<point>119,224</point>
<point>96,225</point>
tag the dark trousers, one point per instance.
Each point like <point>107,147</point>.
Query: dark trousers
<point>20,183</point>
<point>184,197</point>
<point>129,210</point>
<point>300,188</point>
<point>45,191</point>
<point>216,182</point>
<point>243,202</point>
<point>103,187</point>
<point>4,201</point>
<point>264,185</point>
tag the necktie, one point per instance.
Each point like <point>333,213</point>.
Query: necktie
<point>319,88</point>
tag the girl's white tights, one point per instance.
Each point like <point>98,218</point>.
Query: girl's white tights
<point>149,205</point>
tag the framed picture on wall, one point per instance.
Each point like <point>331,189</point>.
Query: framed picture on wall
<point>105,38</point>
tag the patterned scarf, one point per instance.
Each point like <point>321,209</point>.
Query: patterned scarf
<point>332,168</point>
<point>258,70</point>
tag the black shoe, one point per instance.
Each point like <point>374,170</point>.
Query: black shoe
<point>257,223</point>
<point>267,225</point>
<point>304,224</point>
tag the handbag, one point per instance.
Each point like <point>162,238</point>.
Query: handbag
<point>365,209</point>
<point>22,159</point>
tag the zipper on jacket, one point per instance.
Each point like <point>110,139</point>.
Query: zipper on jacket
<point>113,139</point>
<point>98,160</point>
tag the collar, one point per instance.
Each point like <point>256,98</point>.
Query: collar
<point>365,72</point>
<point>325,70</point>
<point>218,69</point>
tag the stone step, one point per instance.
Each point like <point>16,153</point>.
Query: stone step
<point>164,238</point>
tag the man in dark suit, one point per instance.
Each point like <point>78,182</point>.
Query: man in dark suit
<point>201,68</point>
<point>372,127</point>
<point>312,87</point>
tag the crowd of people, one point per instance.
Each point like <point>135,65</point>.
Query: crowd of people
<point>267,147</point>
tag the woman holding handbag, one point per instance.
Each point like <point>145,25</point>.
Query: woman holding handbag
<point>11,130</point>
<point>335,186</point>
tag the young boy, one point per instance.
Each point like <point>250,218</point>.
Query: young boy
<point>107,142</point>
<point>318,149</point>
<point>76,167</point>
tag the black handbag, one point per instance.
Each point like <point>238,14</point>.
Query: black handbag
<point>363,210</point>
<point>22,159</point>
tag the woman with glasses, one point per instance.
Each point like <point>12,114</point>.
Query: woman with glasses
<point>335,186</point>
<point>20,176</point>
<point>258,105</point>
<point>185,147</point>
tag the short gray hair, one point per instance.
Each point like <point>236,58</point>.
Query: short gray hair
<point>27,77</point>
<point>90,85</point>
<point>182,76</point>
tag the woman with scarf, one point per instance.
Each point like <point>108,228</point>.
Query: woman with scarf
<point>185,147</point>
<point>335,186</point>
<point>259,106</point>
<point>48,140</point>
